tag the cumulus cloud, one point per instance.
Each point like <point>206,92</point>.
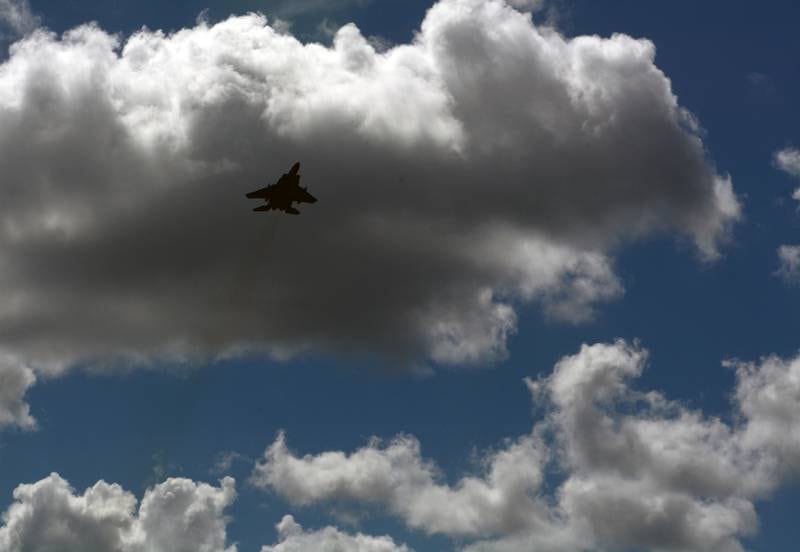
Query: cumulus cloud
<point>768,394</point>
<point>125,236</point>
<point>177,515</point>
<point>640,471</point>
<point>16,15</point>
<point>292,538</point>
<point>399,479</point>
<point>789,258</point>
<point>636,471</point>
<point>662,477</point>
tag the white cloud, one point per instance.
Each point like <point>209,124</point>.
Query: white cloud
<point>663,442</point>
<point>661,477</point>
<point>17,15</point>
<point>788,160</point>
<point>126,239</point>
<point>47,515</point>
<point>294,539</point>
<point>769,397</point>
<point>789,257</point>
<point>178,515</point>
<point>396,477</point>
<point>225,461</point>
<point>640,471</point>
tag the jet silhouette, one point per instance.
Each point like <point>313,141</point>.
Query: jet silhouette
<point>283,193</point>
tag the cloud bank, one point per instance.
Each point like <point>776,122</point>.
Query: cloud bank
<point>607,467</point>
<point>178,515</point>
<point>639,471</point>
<point>486,164</point>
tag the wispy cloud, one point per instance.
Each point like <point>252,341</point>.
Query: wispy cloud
<point>789,258</point>
<point>299,8</point>
<point>788,160</point>
<point>18,17</point>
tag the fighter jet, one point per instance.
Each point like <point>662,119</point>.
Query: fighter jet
<point>283,193</point>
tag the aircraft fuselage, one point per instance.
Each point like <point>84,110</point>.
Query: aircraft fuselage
<point>283,193</point>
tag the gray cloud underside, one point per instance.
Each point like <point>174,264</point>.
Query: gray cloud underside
<point>486,164</point>
<point>640,471</point>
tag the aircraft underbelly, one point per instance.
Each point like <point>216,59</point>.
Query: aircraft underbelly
<point>281,195</point>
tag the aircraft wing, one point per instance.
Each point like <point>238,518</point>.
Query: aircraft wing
<point>264,193</point>
<point>301,195</point>
<point>271,190</point>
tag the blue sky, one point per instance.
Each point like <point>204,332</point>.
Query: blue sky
<point>732,65</point>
